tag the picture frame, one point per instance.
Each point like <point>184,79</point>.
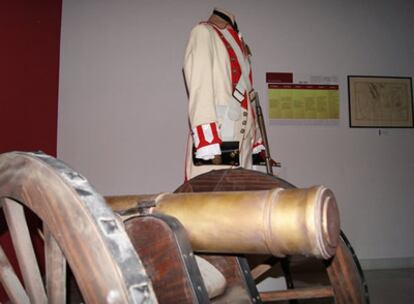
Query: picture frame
<point>380,102</point>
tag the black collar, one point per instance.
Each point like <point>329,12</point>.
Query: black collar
<point>228,19</point>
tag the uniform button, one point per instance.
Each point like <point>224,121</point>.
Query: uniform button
<point>244,122</point>
<point>244,113</point>
<point>232,59</point>
<point>242,131</point>
<point>234,70</point>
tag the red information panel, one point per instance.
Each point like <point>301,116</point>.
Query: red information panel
<point>279,77</point>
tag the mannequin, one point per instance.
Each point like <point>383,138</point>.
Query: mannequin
<point>221,97</point>
<point>222,18</point>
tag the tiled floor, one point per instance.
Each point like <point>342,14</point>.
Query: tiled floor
<point>394,286</point>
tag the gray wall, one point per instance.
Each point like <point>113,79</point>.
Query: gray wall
<point>122,105</point>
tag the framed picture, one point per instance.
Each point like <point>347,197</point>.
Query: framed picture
<point>380,102</point>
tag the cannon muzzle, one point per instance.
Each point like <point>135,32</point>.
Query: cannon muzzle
<point>279,221</point>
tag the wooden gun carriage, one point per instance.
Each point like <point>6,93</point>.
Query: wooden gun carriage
<point>138,251</point>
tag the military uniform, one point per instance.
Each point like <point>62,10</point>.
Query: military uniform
<point>221,104</point>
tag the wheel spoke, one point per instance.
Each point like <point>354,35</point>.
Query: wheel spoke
<point>92,238</point>
<point>26,257</point>
<point>10,281</point>
<point>55,269</point>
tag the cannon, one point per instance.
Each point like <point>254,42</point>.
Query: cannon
<point>279,222</point>
<point>140,248</point>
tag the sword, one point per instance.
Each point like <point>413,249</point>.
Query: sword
<point>260,120</point>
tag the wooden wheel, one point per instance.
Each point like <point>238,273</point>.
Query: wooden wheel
<point>347,284</point>
<point>78,228</point>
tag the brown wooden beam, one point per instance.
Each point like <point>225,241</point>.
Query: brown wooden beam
<point>299,293</point>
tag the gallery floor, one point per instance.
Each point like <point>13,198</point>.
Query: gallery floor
<point>389,286</point>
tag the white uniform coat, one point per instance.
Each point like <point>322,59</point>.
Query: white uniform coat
<point>207,71</point>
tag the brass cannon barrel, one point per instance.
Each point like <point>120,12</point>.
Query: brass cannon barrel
<point>278,222</point>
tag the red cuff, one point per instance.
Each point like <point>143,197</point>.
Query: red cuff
<point>205,135</point>
<point>258,143</point>
<point>258,147</point>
